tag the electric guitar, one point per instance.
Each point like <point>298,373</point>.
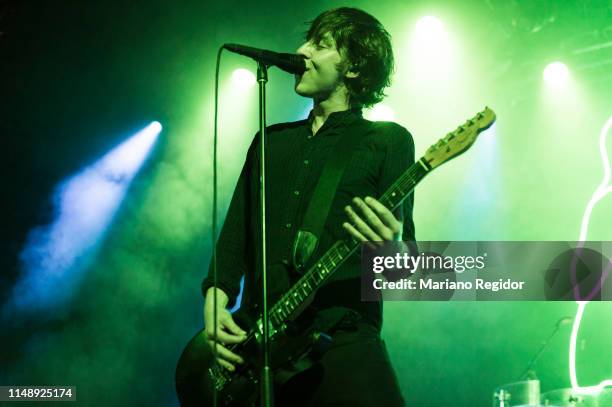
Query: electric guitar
<point>198,376</point>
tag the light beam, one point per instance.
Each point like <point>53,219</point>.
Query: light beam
<point>56,255</point>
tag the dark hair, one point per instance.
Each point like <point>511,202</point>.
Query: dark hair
<point>365,43</point>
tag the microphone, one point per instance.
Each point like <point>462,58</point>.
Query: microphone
<point>291,63</point>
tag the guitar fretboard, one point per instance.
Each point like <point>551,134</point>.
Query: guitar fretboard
<point>341,250</point>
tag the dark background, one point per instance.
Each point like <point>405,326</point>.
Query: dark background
<point>79,77</point>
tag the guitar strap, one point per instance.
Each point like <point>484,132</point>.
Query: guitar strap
<point>308,235</point>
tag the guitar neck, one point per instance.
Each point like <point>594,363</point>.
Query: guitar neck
<point>342,249</point>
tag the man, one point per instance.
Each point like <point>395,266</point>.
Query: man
<point>349,61</point>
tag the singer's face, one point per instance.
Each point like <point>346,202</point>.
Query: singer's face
<point>323,75</point>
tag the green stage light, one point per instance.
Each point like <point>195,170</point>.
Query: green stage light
<point>380,112</point>
<point>430,26</point>
<point>432,49</point>
<point>243,78</point>
<point>556,74</point>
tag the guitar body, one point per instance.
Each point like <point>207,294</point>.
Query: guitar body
<point>197,375</point>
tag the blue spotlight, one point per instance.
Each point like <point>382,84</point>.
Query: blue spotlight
<point>56,255</point>
<point>156,127</point>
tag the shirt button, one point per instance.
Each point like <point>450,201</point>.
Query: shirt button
<point>288,225</point>
<point>306,162</point>
<point>296,192</point>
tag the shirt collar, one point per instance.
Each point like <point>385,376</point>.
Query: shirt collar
<point>336,118</point>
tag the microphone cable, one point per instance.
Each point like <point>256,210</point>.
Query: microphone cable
<point>562,321</point>
<point>214,219</point>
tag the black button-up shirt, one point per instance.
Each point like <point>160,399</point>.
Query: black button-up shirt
<point>294,159</point>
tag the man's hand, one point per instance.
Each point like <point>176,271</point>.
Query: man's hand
<point>227,330</point>
<point>372,221</point>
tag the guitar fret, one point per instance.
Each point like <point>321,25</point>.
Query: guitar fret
<point>335,256</point>
<point>295,299</point>
<point>403,186</point>
<point>323,271</point>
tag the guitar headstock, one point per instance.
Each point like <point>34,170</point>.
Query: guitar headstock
<point>459,140</point>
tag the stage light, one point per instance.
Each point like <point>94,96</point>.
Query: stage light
<point>556,74</point>
<point>380,112</point>
<point>156,127</point>
<point>56,255</point>
<point>431,50</point>
<point>238,105</point>
<point>479,188</point>
<point>430,26</point>
<point>243,78</point>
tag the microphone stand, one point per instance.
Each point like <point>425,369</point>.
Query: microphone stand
<point>290,63</point>
<point>528,372</point>
<point>266,373</point>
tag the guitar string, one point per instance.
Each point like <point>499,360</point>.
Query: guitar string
<point>333,257</point>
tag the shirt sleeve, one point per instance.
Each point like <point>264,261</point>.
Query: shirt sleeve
<point>231,245</point>
<point>399,156</point>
